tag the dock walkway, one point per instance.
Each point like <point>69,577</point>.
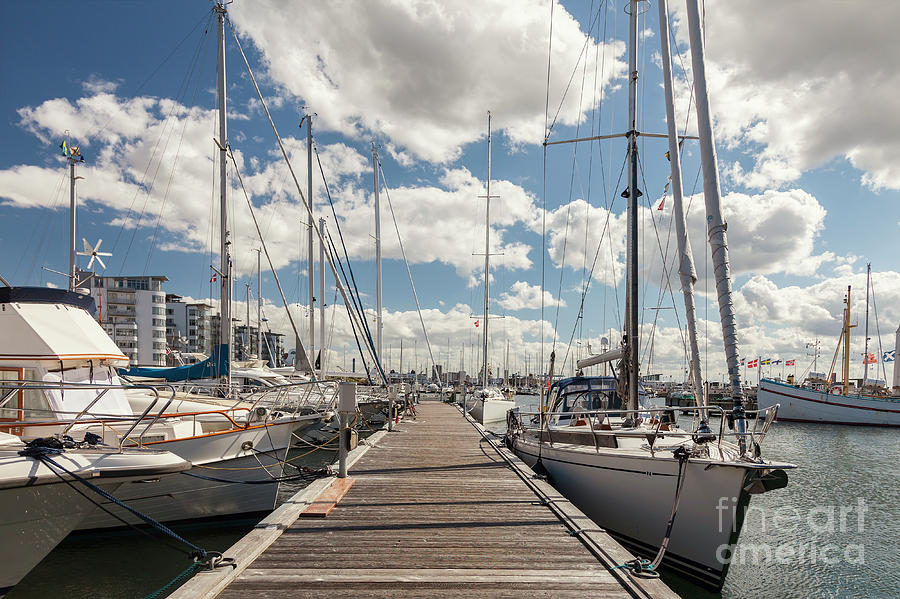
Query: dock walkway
<point>436,511</point>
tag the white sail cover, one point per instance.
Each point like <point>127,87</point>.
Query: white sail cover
<point>45,334</point>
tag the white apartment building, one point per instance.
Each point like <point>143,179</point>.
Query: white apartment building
<point>132,310</point>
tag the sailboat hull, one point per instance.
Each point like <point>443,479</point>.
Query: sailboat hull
<point>221,456</point>
<point>631,497</point>
<point>491,411</point>
<point>809,405</point>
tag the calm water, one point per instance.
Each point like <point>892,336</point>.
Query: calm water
<point>854,468</point>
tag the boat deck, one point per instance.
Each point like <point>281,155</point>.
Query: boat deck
<point>437,510</point>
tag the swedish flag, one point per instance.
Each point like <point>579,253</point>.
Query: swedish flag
<point>766,362</point>
<point>65,148</point>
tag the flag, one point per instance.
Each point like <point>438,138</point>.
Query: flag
<point>64,147</point>
<point>888,356</point>
<point>476,324</point>
<point>788,362</point>
<point>742,361</point>
<point>766,362</point>
<point>661,202</point>
<point>213,279</point>
<point>777,362</point>
<point>752,363</point>
<point>869,359</point>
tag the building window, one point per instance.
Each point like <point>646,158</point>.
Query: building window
<point>159,345</point>
<point>159,311</point>
<point>159,322</point>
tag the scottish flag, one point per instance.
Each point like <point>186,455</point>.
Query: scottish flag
<point>888,356</point>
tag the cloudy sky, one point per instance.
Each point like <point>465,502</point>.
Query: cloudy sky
<point>806,127</point>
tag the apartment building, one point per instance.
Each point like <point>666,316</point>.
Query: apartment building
<point>132,310</point>
<point>188,325</point>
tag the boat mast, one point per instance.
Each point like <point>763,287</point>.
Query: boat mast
<point>487,261</point>
<point>378,327</point>
<point>310,270</point>
<point>866,350</point>
<point>322,300</point>
<point>715,224</point>
<point>259,305</point>
<point>846,335</point>
<point>225,330</point>
<point>686,271</point>
<point>632,194</point>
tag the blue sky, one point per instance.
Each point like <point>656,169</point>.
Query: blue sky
<point>809,178</point>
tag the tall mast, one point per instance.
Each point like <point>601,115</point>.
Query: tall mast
<point>378,322</point>
<point>715,224</point>
<point>847,344</point>
<point>310,271</point>
<point>631,283</point>
<point>225,330</point>
<point>866,350</point>
<point>686,271</point>
<point>322,300</point>
<point>248,321</point>
<point>259,306</point>
<point>487,263</point>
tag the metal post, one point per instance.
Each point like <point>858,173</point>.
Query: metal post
<point>322,301</point>
<point>346,407</point>
<point>392,395</point>
<point>311,265</point>
<point>487,263</point>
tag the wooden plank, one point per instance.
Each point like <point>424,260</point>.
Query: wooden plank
<point>436,509</point>
<point>322,505</point>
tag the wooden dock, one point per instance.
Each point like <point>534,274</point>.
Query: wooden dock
<point>438,509</point>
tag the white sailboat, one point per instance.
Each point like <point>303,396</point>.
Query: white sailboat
<point>678,494</point>
<point>835,403</point>
<point>489,405</point>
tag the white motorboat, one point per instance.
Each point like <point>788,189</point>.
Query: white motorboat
<point>40,504</point>
<point>66,364</point>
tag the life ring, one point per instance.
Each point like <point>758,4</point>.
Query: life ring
<point>836,390</point>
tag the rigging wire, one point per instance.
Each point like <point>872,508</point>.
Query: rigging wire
<point>155,154</point>
<point>412,285</point>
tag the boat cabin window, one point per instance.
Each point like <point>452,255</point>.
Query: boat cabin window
<point>21,404</point>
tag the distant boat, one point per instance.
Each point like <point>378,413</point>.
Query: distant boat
<point>834,403</point>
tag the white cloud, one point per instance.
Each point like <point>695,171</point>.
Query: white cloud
<point>422,74</point>
<point>795,98</point>
<point>523,296</point>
